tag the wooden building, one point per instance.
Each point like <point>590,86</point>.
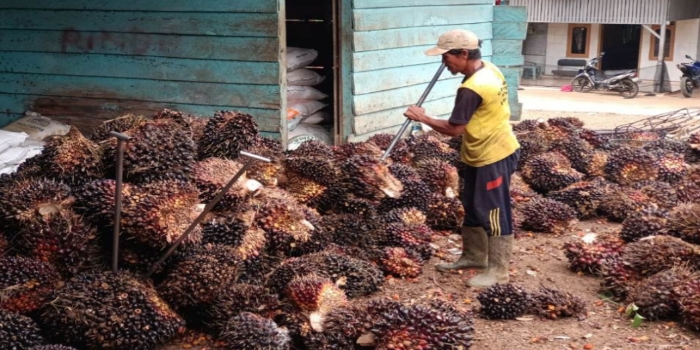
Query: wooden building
<point>83,61</point>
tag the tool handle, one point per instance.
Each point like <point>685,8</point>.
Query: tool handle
<point>420,103</point>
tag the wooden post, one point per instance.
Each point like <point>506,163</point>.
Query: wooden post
<point>661,55</point>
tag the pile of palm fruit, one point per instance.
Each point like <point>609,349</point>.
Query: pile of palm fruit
<point>648,183</point>
<point>289,258</point>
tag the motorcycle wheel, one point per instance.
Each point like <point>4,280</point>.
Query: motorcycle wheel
<point>686,87</point>
<point>629,88</point>
<point>582,85</point>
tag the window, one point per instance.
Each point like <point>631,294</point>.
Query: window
<point>655,42</point>
<point>578,40</point>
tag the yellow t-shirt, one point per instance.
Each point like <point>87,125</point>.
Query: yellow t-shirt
<point>488,136</point>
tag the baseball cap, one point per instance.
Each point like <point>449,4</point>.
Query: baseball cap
<point>454,39</point>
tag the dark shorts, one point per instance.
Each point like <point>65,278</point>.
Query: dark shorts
<point>486,196</point>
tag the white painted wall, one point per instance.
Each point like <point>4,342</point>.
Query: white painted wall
<point>556,44</point>
<point>686,43</point>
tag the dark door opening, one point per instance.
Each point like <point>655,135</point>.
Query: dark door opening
<point>621,46</point>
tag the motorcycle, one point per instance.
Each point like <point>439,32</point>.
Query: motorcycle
<point>691,76</point>
<point>589,78</point>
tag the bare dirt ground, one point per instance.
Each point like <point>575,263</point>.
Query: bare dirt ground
<point>538,260</point>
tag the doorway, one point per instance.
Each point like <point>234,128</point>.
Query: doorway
<point>315,25</point>
<point>621,44</point>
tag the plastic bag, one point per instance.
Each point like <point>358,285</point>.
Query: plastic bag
<point>9,139</point>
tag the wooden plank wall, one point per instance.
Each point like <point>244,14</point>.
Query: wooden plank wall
<point>509,32</point>
<point>390,70</point>
<point>91,60</point>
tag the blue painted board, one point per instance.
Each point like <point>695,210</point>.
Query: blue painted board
<point>510,30</point>
<point>258,6</point>
<point>192,23</point>
<point>346,116</point>
<point>508,60</point>
<point>253,96</point>
<point>392,117</point>
<point>509,14</point>
<point>407,37</point>
<point>87,113</point>
<point>507,47</point>
<point>395,78</point>
<point>156,68</point>
<point>385,100</point>
<point>420,16</point>
<point>404,56</point>
<point>363,4</point>
<point>142,44</point>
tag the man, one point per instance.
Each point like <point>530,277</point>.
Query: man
<point>490,152</point>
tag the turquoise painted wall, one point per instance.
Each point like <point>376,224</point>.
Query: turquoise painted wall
<point>98,59</point>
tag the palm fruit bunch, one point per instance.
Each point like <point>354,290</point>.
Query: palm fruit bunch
<point>95,201</point>
<point>409,216</point>
<point>684,222</point>
<point>654,295</point>
<point>583,196</point>
<point>427,325</point>
<point>18,331</point>
<point>671,166</point>
<point>401,153</point>
<point>576,149</point>
<point>304,190</point>
<point>398,262</point>
<point>195,279</point>
<point>555,304</point>
<point>415,238</point>
<point>71,158</point>
<point>597,140</point>
<point>688,191</point>
<point>532,143</point>
<point>367,177</point>
<point>549,171</point>
<point>26,284</point>
<point>440,176</point>
<point>121,124</point>
<point>667,252</point>
<point>226,134</point>
<point>504,302</point>
<point>547,215</point>
<point>240,297</point>
<point>628,165</point>
<point>283,220</point>
<point>650,221</point>
<point>555,133</point>
<point>266,173</point>
<point>620,202</point>
<point>571,123</point>
<point>227,229</point>
<point>527,125</point>
<point>315,295</point>
<point>415,192</point>
<point>62,238</point>
<point>156,214</point>
<point>352,230</point>
<point>24,200</point>
<point>212,174</point>
<point>251,254</point>
<point>689,303</point>
<point>158,150</point>
<point>311,148</point>
<point>596,163</point>
<point>660,193</point>
<point>348,150</point>
<point>194,125</point>
<point>103,310</point>
<point>588,254</point>
<point>340,329</point>
<point>444,212</point>
<point>617,278</point>
<point>320,169</point>
<point>427,147</point>
<point>355,277</point>
<point>250,331</point>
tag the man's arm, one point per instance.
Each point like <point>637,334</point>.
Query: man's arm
<point>442,126</point>
<point>467,102</point>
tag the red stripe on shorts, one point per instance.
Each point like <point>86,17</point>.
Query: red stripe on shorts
<point>494,184</point>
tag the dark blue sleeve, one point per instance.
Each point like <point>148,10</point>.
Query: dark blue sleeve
<point>466,103</point>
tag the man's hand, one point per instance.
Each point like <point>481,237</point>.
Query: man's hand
<point>415,113</point>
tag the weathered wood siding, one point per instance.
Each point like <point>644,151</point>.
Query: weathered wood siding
<point>509,32</point>
<point>596,11</point>
<point>90,60</point>
<point>389,68</point>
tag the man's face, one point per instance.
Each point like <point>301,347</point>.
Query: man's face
<point>455,63</point>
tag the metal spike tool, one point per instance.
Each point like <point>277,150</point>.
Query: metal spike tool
<point>251,158</point>
<point>121,138</point>
<point>420,103</point>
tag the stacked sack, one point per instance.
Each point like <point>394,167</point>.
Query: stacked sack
<point>305,106</point>
<point>23,139</point>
